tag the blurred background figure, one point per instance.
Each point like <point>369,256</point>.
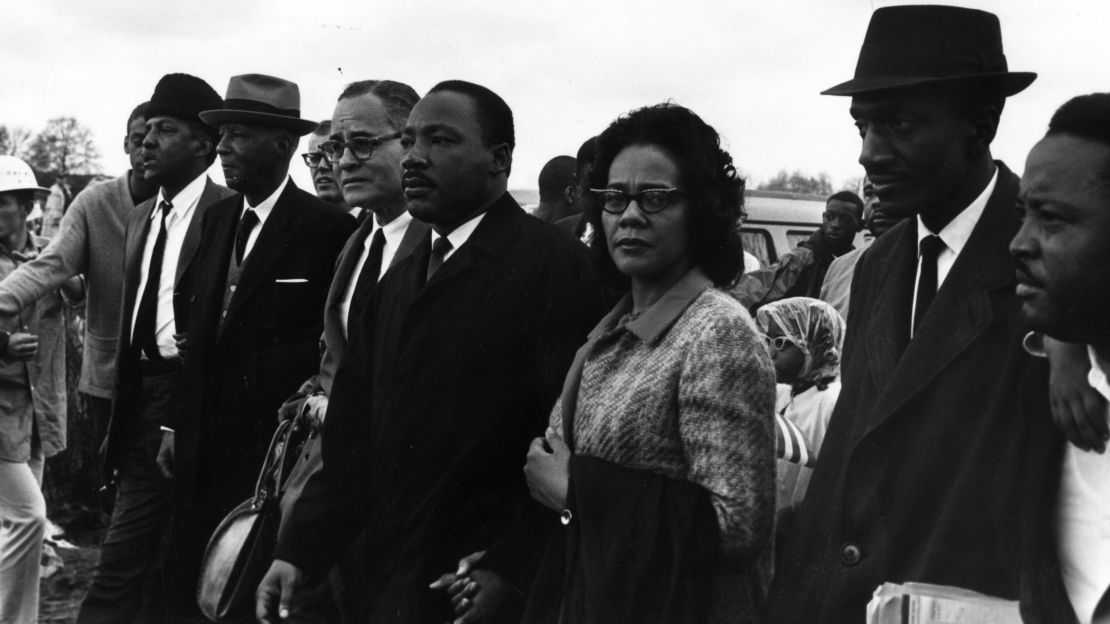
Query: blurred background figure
<point>805,337</point>
<point>56,204</point>
<point>577,224</point>
<point>558,195</point>
<point>836,288</point>
<point>800,272</point>
<point>323,178</point>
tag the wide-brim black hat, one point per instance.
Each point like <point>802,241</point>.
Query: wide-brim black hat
<point>911,46</point>
<point>261,99</point>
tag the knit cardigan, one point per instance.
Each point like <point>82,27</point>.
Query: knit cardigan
<point>687,391</point>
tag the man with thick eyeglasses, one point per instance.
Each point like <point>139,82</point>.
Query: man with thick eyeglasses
<point>323,178</point>
<point>800,272</point>
<point>365,158</point>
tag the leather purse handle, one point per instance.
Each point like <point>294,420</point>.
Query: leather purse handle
<point>273,459</point>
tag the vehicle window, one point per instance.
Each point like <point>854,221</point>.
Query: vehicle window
<point>758,243</point>
<point>797,236</point>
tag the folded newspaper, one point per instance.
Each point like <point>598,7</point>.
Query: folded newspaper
<point>922,603</point>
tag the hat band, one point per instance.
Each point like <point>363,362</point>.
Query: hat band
<point>255,106</point>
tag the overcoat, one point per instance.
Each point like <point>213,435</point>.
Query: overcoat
<point>239,367</point>
<point>127,381</point>
<point>925,466</point>
<point>443,386</point>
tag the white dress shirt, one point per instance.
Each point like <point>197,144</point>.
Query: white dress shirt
<point>1083,514</point>
<point>263,210</point>
<point>393,232</point>
<point>459,235</point>
<point>177,223</point>
<point>954,236</point>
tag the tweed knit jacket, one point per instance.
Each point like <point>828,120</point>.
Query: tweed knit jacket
<point>687,390</point>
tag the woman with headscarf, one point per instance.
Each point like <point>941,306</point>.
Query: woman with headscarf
<point>804,337</point>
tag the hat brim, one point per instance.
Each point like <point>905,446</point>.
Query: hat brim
<point>219,117</point>
<point>1004,83</point>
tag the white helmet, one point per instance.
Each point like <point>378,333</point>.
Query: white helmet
<point>16,175</point>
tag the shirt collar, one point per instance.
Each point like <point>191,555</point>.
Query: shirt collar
<point>459,235</point>
<point>395,229</point>
<point>355,212</point>
<point>955,234</point>
<point>184,199</point>
<point>1097,376</point>
<point>264,207</point>
<point>657,319</point>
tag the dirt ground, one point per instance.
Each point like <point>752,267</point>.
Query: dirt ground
<point>61,594</point>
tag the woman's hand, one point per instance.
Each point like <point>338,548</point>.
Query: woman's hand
<point>548,471</point>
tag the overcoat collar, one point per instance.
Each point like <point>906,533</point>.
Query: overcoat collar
<point>962,310</point>
<point>492,239</point>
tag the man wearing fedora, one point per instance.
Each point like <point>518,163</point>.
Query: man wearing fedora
<point>254,319</point>
<point>160,247</point>
<point>924,467</point>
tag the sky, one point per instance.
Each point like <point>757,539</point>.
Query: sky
<point>753,70</point>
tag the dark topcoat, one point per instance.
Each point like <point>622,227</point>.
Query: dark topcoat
<point>925,464</point>
<point>442,388</point>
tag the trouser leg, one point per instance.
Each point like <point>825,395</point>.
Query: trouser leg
<point>126,585</point>
<point>22,528</point>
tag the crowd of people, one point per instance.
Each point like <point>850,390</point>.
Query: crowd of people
<point>593,413</point>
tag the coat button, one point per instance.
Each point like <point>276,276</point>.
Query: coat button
<point>850,554</point>
<point>231,288</point>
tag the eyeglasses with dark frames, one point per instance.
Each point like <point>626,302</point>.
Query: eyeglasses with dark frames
<point>361,147</point>
<point>651,201</point>
<point>313,159</point>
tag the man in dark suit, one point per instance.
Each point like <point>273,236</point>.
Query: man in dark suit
<point>363,149</point>
<point>263,271</point>
<point>923,469</point>
<point>1063,271</point>
<point>458,357</point>
<point>160,249</point>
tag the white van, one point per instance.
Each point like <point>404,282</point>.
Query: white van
<point>778,220</point>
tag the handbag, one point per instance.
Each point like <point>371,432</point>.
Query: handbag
<point>241,549</point>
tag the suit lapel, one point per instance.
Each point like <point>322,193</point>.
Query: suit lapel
<point>492,238</point>
<point>276,233</point>
<point>963,308</point>
<point>137,232</point>
<point>889,328</point>
<point>414,233</point>
<point>191,242</point>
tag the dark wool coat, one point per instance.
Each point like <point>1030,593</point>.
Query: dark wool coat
<point>441,389</point>
<point>924,470</point>
<point>239,369</point>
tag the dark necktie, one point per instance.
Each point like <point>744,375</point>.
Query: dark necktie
<point>439,249</point>
<point>146,319</point>
<point>368,277</point>
<point>931,246</point>
<point>246,226</point>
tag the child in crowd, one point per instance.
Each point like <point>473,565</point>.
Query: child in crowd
<point>804,337</point>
